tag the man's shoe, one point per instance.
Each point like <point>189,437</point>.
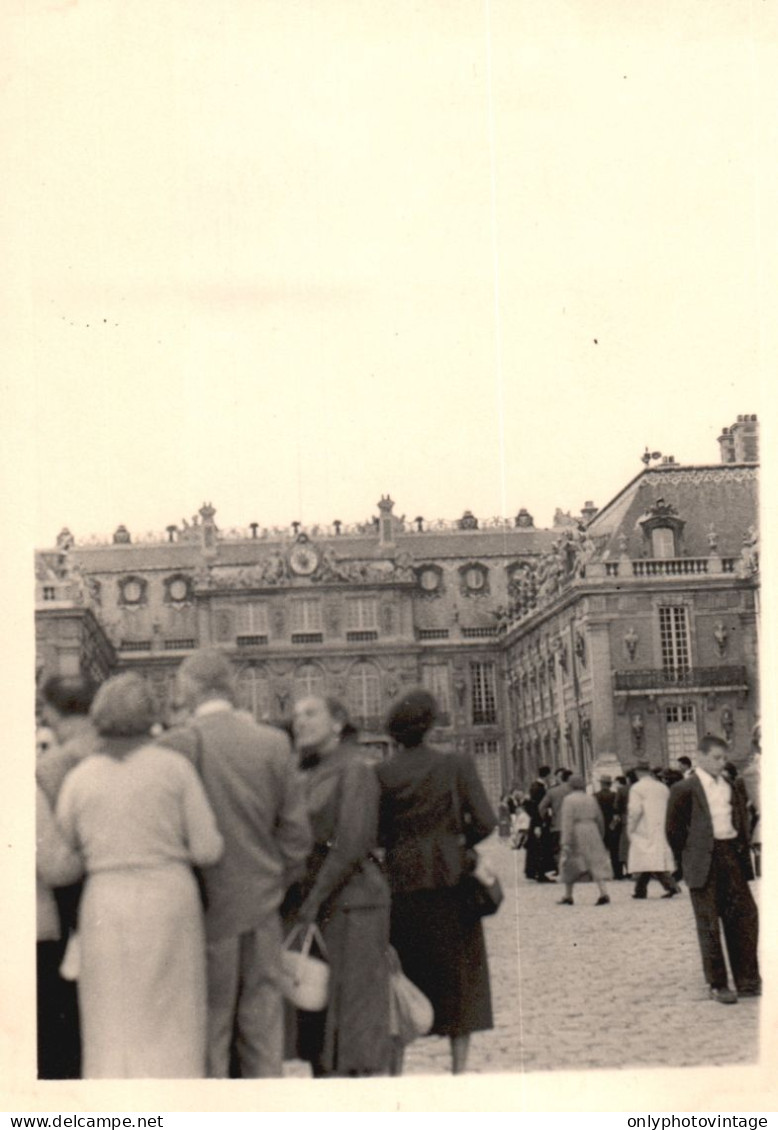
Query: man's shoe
<point>672,894</point>
<point>564,902</point>
<point>638,896</point>
<point>602,900</point>
<point>752,991</point>
<point>723,996</point>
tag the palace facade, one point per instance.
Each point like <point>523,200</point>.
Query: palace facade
<point>629,629</point>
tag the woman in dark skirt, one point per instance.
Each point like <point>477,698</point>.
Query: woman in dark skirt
<point>433,807</point>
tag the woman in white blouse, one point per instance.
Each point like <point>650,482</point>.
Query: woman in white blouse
<point>139,816</point>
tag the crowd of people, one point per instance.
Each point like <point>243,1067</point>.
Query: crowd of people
<point>173,862</point>
<point>698,823</point>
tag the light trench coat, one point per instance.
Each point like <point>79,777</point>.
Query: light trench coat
<point>648,846</point>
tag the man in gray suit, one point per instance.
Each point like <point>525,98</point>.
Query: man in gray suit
<point>249,774</point>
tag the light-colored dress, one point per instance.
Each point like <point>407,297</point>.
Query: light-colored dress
<point>140,820</point>
<point>581,839</point>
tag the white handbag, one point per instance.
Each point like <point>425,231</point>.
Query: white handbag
<point>410,1012</point>
<point>305,980</point>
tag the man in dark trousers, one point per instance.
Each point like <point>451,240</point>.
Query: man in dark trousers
<point>707,826</point>
<point>537,862</point>
<point>606,798</point>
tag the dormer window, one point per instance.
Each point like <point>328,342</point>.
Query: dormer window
<point>662,531</point>
<point>663,542</point>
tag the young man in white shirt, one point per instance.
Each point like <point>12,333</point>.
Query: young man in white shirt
<point>707,826</point>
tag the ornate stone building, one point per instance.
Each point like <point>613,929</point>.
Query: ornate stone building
<point>360,612</point>
<point>627,630</point>
<point>639,633</point>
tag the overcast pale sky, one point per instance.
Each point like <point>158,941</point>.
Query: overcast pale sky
<point>288,256</point>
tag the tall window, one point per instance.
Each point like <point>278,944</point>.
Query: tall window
<point>435,677</point>
<point>306,615</point>
<point>487,760</point>
<point>484,700</point>
<point>254,693</point>
<point>362,614</point>
<point>364,695</point>
<point>663,542</point>
<point>675,640</point>
<point>308,680</point>
<point>251,618</point>
<point>681,731</point>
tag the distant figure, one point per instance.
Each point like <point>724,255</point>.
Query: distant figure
<point>650,855</point>
<point>582,847</point>
<point>620,815</point>
<point>538,860</point>
<point>751,782</point>
<point>707,825</point>
<point>550,810</point>
<point>685,766</point>
<point>606,798</point>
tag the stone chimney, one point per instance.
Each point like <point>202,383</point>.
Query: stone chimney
<point>386,521</point>
<point>740,442</point>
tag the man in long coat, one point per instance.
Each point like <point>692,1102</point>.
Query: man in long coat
<point>707,825</point>
<point>537,861</point>
<point>650,855</point>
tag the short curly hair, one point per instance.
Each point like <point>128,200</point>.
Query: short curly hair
<point>123,707</point>
<point>411,717</point>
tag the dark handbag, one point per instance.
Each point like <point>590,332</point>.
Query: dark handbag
<point>480,897</point>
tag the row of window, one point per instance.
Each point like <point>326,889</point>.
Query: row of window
<point>364,695</point>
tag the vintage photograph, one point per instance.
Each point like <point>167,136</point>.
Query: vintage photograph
<point>394,380</point>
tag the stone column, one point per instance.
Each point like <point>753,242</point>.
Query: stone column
<point>600,665</point>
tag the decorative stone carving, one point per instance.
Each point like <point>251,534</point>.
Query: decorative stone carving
<point>387,619</point>
<point>631,640</point>
<point>727,722</point>
<point>721,636</point>
<point>580,648</point>
<point>748,565</point>
<point>278,619</point>
<point>637,727</point>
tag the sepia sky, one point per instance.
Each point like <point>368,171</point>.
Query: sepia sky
<point>288,256</point>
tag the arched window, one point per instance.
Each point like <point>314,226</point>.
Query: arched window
<point>254,693</point>
<point>364,695</point>
<point>308,680</point>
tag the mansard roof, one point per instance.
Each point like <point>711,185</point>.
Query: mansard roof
<point>169,556</point>
<point>715,502</point>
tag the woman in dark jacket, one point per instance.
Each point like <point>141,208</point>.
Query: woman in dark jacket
<point>433,806</point>
<point>345,892</point>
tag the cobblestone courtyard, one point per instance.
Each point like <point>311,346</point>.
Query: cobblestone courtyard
<point>595,987</point>
<point>583,987</point>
